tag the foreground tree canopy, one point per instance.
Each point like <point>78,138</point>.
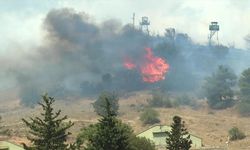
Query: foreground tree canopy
<point>218,88</point>
<point>178,138</point>
<point>47,132</point>
<point>111,134</point>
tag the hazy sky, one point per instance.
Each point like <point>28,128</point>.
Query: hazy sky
<point>21,20</point>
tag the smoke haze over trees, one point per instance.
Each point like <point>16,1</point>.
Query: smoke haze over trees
<point>79,57</point>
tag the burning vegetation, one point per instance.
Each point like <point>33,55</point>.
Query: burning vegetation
<point>84,58</point>
<point>152,68</point>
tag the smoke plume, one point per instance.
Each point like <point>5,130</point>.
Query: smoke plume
<point>79,57</point>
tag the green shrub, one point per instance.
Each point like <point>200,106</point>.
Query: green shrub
<point>244,85</point>
<point>185,100</point>
<point>160,100</point>
<point>137,107</point>
<point>235,134</point>
<point>210,113</point>
<point>137,143</point>
<point>219,88</point>
<point>244,109</point>
<point>142,143</point>
<point>100,102</point>
<point>149,116</point>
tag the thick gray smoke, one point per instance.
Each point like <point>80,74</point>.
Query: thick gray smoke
<point>76,55</point>
<point>79,57</point>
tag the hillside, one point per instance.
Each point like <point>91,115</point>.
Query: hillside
<point>211,125</point>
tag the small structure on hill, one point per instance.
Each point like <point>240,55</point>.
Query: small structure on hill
<point>214,29</point>
<point>157,134</point>
<point>4,145</point>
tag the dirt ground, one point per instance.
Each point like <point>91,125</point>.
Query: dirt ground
<point>211,125</point>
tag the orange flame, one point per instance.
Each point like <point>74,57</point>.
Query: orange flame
<point>152,69</point>
<point>128,63</point>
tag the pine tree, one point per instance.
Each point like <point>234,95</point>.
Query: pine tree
<point>218,88</point>
<point>48,132</point>
<point>109,133</point>
<point>178,138</point>
<point>244,85</point>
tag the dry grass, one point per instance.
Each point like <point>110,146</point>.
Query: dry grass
<point>212,126</point>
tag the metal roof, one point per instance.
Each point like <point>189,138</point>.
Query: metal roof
<point>157,134</point>
<point>4,145</point>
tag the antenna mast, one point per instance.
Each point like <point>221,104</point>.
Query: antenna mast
<point>133,18</point>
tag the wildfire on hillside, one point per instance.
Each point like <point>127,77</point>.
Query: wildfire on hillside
<point>152,68</point>
<point>128,63</point>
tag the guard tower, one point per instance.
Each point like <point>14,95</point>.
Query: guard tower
<point>214,29</point>
<point>144,24</point>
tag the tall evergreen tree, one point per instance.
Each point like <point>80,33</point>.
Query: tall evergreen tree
<point>108,134</point>
<point>244,85</point>
<point>178,138</point>
<point>218,88</point>
<point>48,132</point>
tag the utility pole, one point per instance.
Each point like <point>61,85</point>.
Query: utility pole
<point>133,18</point>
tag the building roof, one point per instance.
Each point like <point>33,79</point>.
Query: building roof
<point>4,145</point>
<point>157,134</point>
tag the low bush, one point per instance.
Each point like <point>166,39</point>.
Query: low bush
<point>142,143</point>
<point>187,100</point>
<point>160,100</point>
<point>149,116</point>
<point>235,134</point>
<point>244,108</point>
<point>137,107</point>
